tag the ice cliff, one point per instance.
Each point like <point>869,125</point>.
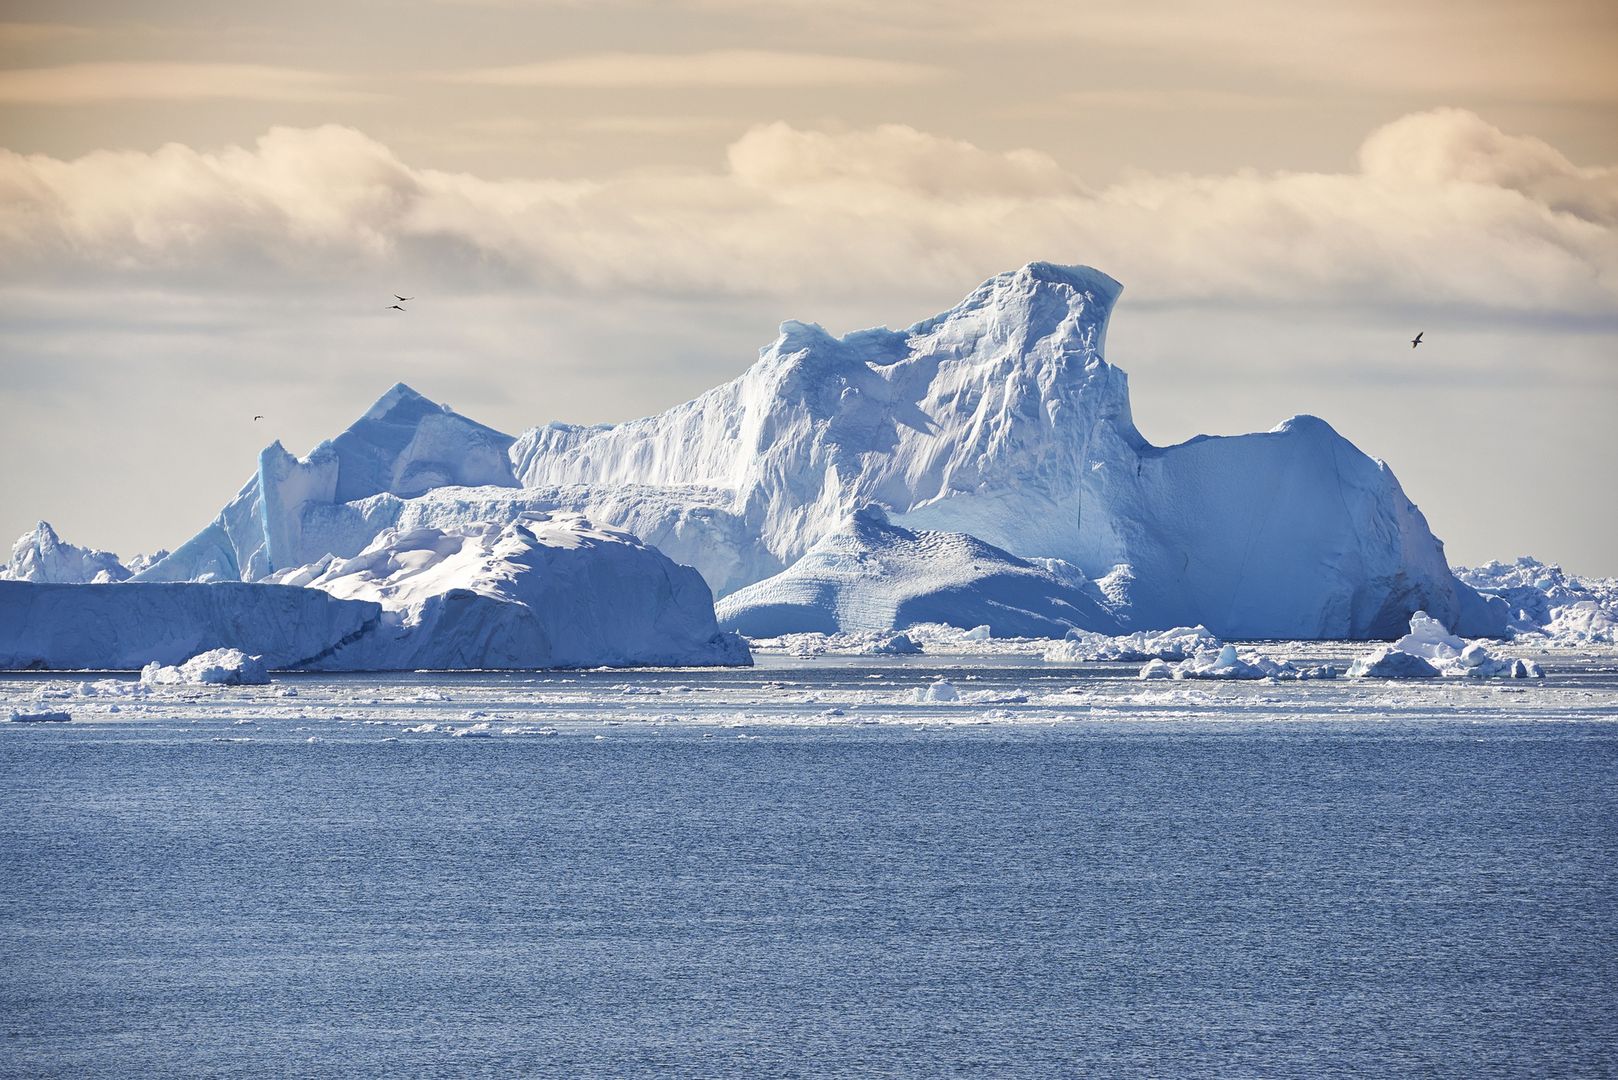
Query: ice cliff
<point>127,626</point>
<point>999,419</point>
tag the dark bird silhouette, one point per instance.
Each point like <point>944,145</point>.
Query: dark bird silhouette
<point>257,418</point>
<point>1417,339</point>
<point>395,307</point>
<point>402,299</point>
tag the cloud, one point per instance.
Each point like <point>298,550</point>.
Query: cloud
<point>77,84</point>
<point>723,68</point>
<point>777,157</point>
<point>1180,100</point>
<point>1483,48</point>
<point>1452,146</point>
<point>1445,210</point>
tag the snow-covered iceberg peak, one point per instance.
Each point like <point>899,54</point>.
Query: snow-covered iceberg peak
<point>40,555</point>
<point>993,406</point>
<point>403,445</point>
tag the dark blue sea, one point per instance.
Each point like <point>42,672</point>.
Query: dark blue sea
<point>1107,899</point>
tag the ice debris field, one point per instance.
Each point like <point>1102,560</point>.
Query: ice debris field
<point>801,682</point>
<point>936,675</point>
<point>978,473</point>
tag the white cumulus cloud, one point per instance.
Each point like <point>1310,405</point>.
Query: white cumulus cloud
<point>1444,209</point>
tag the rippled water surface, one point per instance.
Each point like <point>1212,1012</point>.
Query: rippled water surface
<point>793,871</point>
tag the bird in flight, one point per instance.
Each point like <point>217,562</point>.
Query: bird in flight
<point>395,307</point>
<point>257,418</point>
<point>1417,339</point>
<point>402,299</point>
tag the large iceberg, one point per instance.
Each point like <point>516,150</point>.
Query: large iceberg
<point>872,575</point>
<point>999,419</point>
<point>41,555</point>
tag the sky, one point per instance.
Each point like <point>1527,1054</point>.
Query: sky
<point>604,207</point>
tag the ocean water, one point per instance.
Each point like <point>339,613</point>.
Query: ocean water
<point>1116,897</point>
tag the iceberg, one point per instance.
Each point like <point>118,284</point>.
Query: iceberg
<point>1567,610</point>
<point>999,420</point>
<point>544,590</point>
<point>541,591</point>
<point>404,446</point>
<point>1390,663</point>
<point>41,555</point>
<point>1429,651</point>
<point>216,667</point>
<point>873,576</point>
<point>1179,643</point>
<point>1225,663</point>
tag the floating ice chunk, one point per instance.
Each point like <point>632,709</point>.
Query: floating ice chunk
<point>898,645</point>
<point>940,690</point>
<point>40,717</point>
<point>1157,669</point>
<point>1226,664</point>
<point>1431,650</point>
<point>1430,639</point>
<point>1388,662</point>
<point>218,667</point>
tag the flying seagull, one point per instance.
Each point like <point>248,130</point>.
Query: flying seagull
<point>1417,339</point>
<point>402,299</point>
<point>395,307</point>
<point>257,418</point>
